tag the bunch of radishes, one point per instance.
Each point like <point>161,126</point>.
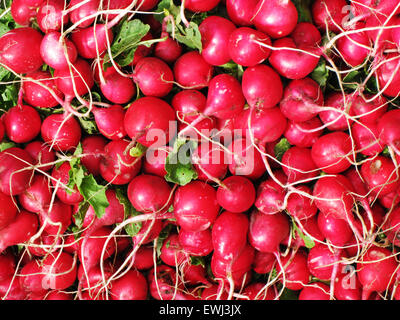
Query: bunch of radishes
<point>199,149</point>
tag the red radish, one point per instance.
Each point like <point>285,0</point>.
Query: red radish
<point>241,11</point>
<point>267,231</point>
<point>142,50</point>
<point>37,196</point>
<point>169,50</point>
<point>382,38</point>
<point>51,15</point>
<point>163,283</point>
<point>15,170</point>
<point>192,71</point>
<point>271,195</point>
<point>7,265</point>
<point>59,271</point>
<point>44,245</point>
<point>1,130</point>
<point>365,8</point>
<point>20,50</point>
<point>322,260</point>
<point>79,79</point>
<point>114,213</point>
<point>117,166</point>
<point>110,121</point>
<point>329,14</point>
<point>381,175</point>
<point>332,152</point>
<point>153,76</point>
<point>57,51</point>
<point>262,86</point>
<point>150,194</point>
<point>58,295</point>
<point>81,11</point>
<point>172,253</point>
<point>209,161</point>
<point>245,160</point>
<point>143,259</point>
<point>201,5</point>
<point>303,134</point>
<point>91,280</point>
<point>295,272</point>
<point>376,270</point>
<point>306,34</point>
<point>229,235</point>
<point>44,94</point>
<point>368,111</point>
<point>131,286</point>
<point>149,121</point>
<point>22,13</point>
<point>154,162</point>
<point>317,291</point>
<point>387,75</point>
<point>276,18</point>
<point>91,247</point>
<point>392,226</point>
<point>63,134</point>
<point>117,89</point>
<point>195,213</point>
<point>263,262</point>
<point>114,5</point>
<point>257,291</point>
<point>298,164</point>
<point>92,41</point>
<point>236,194</point>
<point>354,48</point>
<point>301,100</point>
<point>149,231</point>
<point>366,138</point>
<point>22,123</point>
<point>21,229</point>
<point>336,120</point>
<point>308,227</point>
<point>10,289</point>
<point>291,63</point>
<point>32,277</point>
<point>146,5</point>
<point>334,229</point>
<point>347,287</point>
<point>194,274</point>
<point>215,33</point>
<point>212,292</point>
<point>196,243</point>
<point>57,217</point>
<point>301,206</point>
<point>93,150</point>
<point>8,210</point>
<point>244,48</point>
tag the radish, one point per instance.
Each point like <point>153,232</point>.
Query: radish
<point>91,280</point>
<point>7,265</point>
<point>257,291</point>
<point>20,50</point>
<point>334,229</point>
<point>172,253</point>
<point>244,48</point>
<point>196,243</point>
<point>22,123</point>
<point>154,162</point>
<point>303,134</point>
<point>22,13</point>
<point>347,287</point>
<point>387,75</point>
<point>301,100</point>
<point>263,262</point>
<point>92,41</point>
<point>389,133</point>
<point>194,274</point>
<point>295,271</point>
<point>336,121</point>
<point>93,150</point>
<point>153,76</point>
<point>236,194</point>
<point>332,152</point>
<point>191,71</point>
<point>117,89</point>
<point>114,5</point>
<point>60,133</point>
<point>8,210</point>
<point>163,283</point>
<point>367,110</point>
<point>44,245</point>
<point>56,51</point>
<point>110,121</point>
<point>57,218</point>
<point>267,231</point>
<point>307,226</point>
<point>318,291</point>
<point>298,164</point>
<point>276,18</point>
<point>146,5</point>
<point>354,48</point>
<point>201,5</point>
<point>150,194</point>
<point>256,80</point>
<point>79,13</point>
<point>293,64</point>
<point>21,229</point>
<point>241,11</point>
<point>149,231</point>
<point>229,235</point>
<point>195,213</point>
<point>329,14</point>
<point>149,116</point>
<point>117,166</point>
<point>131,286</point>
<point>15,170</point>
<point>215,34</point>
<point>301,206</point>
<point>143,259</point>
<point>51,15</point>
<point>271,195</point>
<point>212,292</point>
<point>58,295</point>
<point>37,196</point>
<point>59,271</point>
<point>306,33</point>
<point>169,50</point>
<point>376,270</point>
<point>392,226</point>
<point>31,277</point>
<point>366,138</point>
<point>10,289</point>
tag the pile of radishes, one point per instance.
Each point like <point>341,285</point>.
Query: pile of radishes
<point>286,112</point>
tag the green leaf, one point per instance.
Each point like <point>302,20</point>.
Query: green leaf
<point>281,147</point>
<point>178,164</point>
<point>126,41</point>
<point>190,36</point>
<point>233,68</point>
<point>131,229</point>
<point>8,96</point>
<point>4,145</point>
<point>309,243</point>
<point>303,10</point>
<point>197,261</point>
<point>137,150</point>
<point>94,194</point>
<point>167,7</point>
<point>80,214</point>
<point>161,238</point>
<point>289,295</point>
<point>321,73</point>
<point>89,125</point>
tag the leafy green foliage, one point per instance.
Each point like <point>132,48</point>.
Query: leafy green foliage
<point>321,73</point>
<point>138,150</point>
<point>161,238</point>
<point>4,145</point>
<point>303,9</point>
<point>281,147</point>
<point>131,229</point>
<point>309,243</point>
